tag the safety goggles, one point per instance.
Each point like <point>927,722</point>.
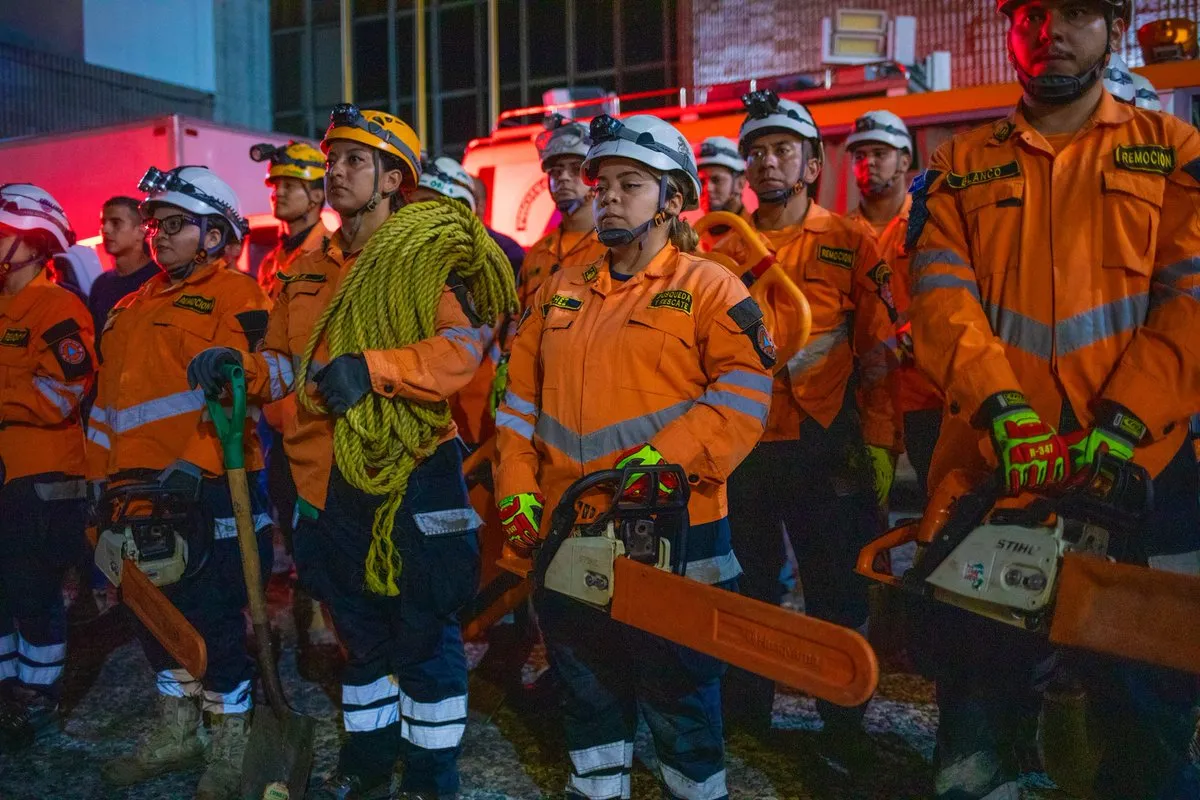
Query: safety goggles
<point>169,225</point>
<point>866,124</point>
<point>347,115</point>
<point>609,129</point>
<point>710,150</point>
<point>155,181</point>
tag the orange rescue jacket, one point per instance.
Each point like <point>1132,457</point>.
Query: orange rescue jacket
<point>1070,277</point>
<point>676,356</point>
<point>146,416</point>
<point>913,391</point>
<point>46,366</point>
<point>431,370</point>
<point>847,285</point>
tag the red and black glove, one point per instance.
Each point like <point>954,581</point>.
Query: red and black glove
<point>1031,453</point>
<point>637,486</point>
<point>521,520</point>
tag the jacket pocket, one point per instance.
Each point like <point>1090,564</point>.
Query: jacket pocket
<point>1131,208</point>
<point>557,346</point>
<point>655,342</point>
<point>994,214</point>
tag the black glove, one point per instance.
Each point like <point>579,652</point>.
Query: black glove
<point>205,370</point>
<point>343,382</point>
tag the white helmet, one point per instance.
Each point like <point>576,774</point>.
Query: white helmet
<point>25,207</point>
<point>1144,94</point>
<point>562,137</point>
<point>448,178</point>
<point>195,189</point>
<point>718,151</point>
<point>883,127</point>
<point>1118,79</point>
<point>766,113</point>
<point>648,140</point>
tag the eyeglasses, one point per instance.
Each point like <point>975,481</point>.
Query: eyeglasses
<point>710,150</point>
<point>169,225</point>
<point>347,115</point>
<point>864,124</point>
<point>609,129</point>
<point>155,181</point>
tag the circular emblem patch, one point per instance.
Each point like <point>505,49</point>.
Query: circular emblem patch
<point>71,351</point>
<point>765,345</point>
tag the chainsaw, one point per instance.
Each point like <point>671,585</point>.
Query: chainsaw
<point>152,526</point>
<point>630,562</point>
<point>1067,564</point>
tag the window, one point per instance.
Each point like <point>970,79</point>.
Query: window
<point>364,7</point>
<point>371,59</point>
<point>326,10</point>
<point>459,121</point>
<point>642,31</point>
<point>291,123</point>
<point>456,47</point>
<point>406,48</point>
<point>286,64</point>
<point>547,31</point>
<point>327,67</point>
<point>594,34</point>
<point>287,13</point>
<point>508,23</point>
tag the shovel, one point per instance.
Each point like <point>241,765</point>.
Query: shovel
<point>280,750</point>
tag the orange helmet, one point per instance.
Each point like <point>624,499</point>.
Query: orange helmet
<point>380,130</point>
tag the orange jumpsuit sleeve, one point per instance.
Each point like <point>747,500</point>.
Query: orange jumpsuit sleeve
<point>953,342</point>
<point>1158,377</point>
<point>432,369</point>
<point>62,371</point>
<point>728,419</point>
<point>100,433</point>
<point>516,465</point>
<point>270,370</point>
<point>874,345</point>
<point>242,325</point>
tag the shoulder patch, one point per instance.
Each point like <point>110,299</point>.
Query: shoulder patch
<point>564,301</point>
<point>72,356</point>
<point>1193,168</point>
<point>15,337</point>
<point>881,276</point>
<point>195,302</point>
<point>838,256</point>
<point>111,319</point>
<point>748,318</point>
<point>1154,158</point>
<point>309,277</point>
<point>59,330</point>
<point>590,273</point>
<point>1002,130</point>
<point>678,299</point>
<point>918,215</point>
<point>254,325</point>
<point>1009,170</point>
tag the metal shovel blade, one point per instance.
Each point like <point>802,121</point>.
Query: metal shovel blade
<point>280,750</point>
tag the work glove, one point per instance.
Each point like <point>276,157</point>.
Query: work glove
<point>883,466</point>
<point>1031,453</point>
<point>1117,432</point>
<point>499,386</point>
<point>206,369</point>
<point>520,521</point>
<point>343,382</point>
<point>181,477</point>
<point>637,485</point>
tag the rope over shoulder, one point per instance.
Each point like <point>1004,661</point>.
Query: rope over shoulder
<point>389,300</point>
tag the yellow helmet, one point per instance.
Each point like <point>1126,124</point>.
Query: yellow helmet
<point>380,130</point>
<point>292,160</point>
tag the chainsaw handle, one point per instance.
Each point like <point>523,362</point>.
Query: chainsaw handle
<point>761,274</point>
<point>231,427</point>
<point>868,555</point>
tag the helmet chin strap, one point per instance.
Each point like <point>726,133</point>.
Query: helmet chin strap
<point>7,265</point>
<point>781,196</point>
<point>622,237</point>
<point>1059,90</point>
<point>376,197</point>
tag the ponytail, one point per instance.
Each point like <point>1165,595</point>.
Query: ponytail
<point>681,233</point>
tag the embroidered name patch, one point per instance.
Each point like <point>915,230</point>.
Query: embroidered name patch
<point>197,303</point>
<point>677,299</point>
<point>15,337</point>
<point>310,277</point>
<point>838,256</point>
<point>590,274</point>
<point>1145,158</point>
<point>569,303</point>
<point>956,181</point>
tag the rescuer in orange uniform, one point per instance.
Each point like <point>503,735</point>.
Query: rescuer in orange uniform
<point>836,456</point>
<point>46,366</point>
<point>405,682</point>
<point>1056,269</point>
<point>146,425</point>
<point>723,176</point>
<point>649,355</point>
<point>881,148</point>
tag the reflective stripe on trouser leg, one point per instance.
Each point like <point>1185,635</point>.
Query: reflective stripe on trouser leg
<point>975,778</point>
<point>433,726</point>
<point>238,701</point>
<point>177,683</point>
<point>603,771</point>
<point>8,657</point>
<point>39,665</point>
<point>371,706</point>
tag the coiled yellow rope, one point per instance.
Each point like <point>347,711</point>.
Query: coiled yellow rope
<point>389,300</point>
